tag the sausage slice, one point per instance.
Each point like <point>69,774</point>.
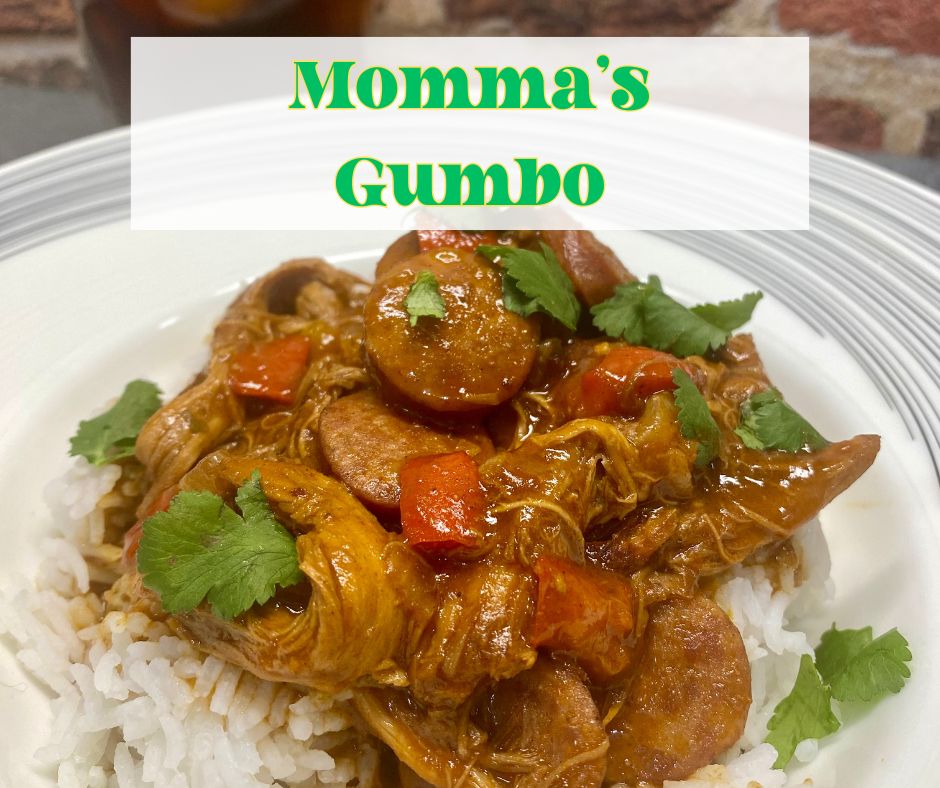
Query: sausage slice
<point>417,241</point>
<point>593,267</point>
<point>548,714</point>
<point>402,248</point>
<point>366,443</point>
<point>688,699</point>
<point>475,357</point>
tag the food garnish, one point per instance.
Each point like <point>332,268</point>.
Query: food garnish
<point>768,422</point>
<point>806,713</point>
<point>695,419</point>
<point>859,668</point>
<point>642,314</point>
<point>850,667</point>
<point>729,315</point>
<point>112,435</point>
<point>200,549</point>
<point>535,282</point>
<point>424,298</point>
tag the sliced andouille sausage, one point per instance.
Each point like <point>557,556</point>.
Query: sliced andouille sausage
<point>548,714</point>
<point>401,249</point>
<point>477,356</point>
<point>593,267</point>
<point>417,241</point>
<point>688,699</point>
<point>468,240</point>
<point>366,443</point>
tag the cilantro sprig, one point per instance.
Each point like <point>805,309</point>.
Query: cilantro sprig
<point>768,422</point>
<point>729,315</point>
<point>860,668</point>
<point>112,435</point>
<point>424,298</point>
<point>642,314</point>
<point>535,282</point>
<point>695,419</point>
<point>850,666</point>
<point>200,549</point>
<point>806,713</point>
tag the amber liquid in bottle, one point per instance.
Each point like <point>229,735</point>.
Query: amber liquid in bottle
<point>107,27</point>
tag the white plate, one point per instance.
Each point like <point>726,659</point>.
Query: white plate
<point>850,330</point>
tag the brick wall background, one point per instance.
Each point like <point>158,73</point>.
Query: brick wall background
<point>38,44</point>
<point>875,64</point>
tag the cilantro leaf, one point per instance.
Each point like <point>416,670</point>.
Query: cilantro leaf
<point>516,301</point>
<point>850,666</point>
<point>768,422</point>
<point>622,315</point>
<point>112,435</point>
<point>200,549</point>
<point>537,282</point>
<point>836,649</point>
<point>861,669</point>
<point>642,314</point>
<point>424,298</point>
<point>729,315</point>
<point>695,419</point>
<point>672,327</point>
<point>806,713</point>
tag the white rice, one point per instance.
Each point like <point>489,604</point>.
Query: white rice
<point>137,706</point>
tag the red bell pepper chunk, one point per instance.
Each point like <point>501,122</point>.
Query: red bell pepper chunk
<point>442,503</point>
<point>625,378</point>
<point>587,612</point>
<point>132,536</point>
<point>272,370</point>
<point>429,240</point>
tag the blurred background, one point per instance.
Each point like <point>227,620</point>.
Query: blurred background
<point>875,64</point>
